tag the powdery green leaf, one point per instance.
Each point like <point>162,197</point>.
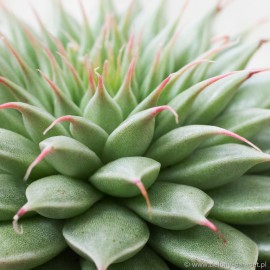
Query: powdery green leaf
<point>182,104</point>
<point>180,143</point>
<point>125,177</point>
<point>244,201</point>
<point>67,156</point>
<point>246,122</point>
<point>12,195</point>
<point>17,153</point>
<point>40,241</point>
<point>58,197</point>
<point>214,166</point>
<point>84,131</point>
<point>35,120</point>
<point>174,206</point>
<point>260,234</point>
<point>200,248</point>
<point>121,142</point>
<point>146,259</point>
<point>254,93</point>
<point>103,110</point>
<point>211,102</point>
<point>106,234</point>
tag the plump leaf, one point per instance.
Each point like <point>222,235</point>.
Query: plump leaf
<point>201,249</point>
<point>84,131</point>
<point>182,104</point>
<point>146,259</point>
<point>211,102</point>
<point>103,110</point>
<point>35,120</point>
<point>59,197</point>
<point>12,195</point>
<point>214,166</point>
<point>179,143</point>
<point>174,206</point>
<point>121,177</point>
<point>67,156</point>
<point>244,201</point>
<point>17,153</point>
<point>254,93</point>
<point>121,142</point>
<point>105,234</point>
<point>260,234</point>
<point>40,241</point>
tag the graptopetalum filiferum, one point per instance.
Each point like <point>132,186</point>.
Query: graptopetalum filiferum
<point>132,142</point>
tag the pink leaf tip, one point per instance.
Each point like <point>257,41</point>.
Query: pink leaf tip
<point>18,229</point>
<point>65,118</point>
<point>159,109</point>
<point>46,151</point>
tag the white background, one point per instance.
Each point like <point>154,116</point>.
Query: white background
<point>238,15</point>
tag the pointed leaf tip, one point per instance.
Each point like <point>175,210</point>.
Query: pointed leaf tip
<point>144,193</point>
<point>159,109</point>
<point>18,229</point>
<point>65,118</point>
<point>47,150</point>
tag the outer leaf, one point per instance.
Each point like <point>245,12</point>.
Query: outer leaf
<point>174,207</point>
<point>199,248</point>
<point>12,195</point>
<point>214,166</point>
<point>254,93</point>
<point>16,154</point>
<point>213,100</point>
<point>84,131</point>
<point>35,120</point>
<point>59,197</point>
<point>121,177</point>
<point>121,142</point>
<point>261,235</point>
<point>41,241</point>
<point>107,233</point>
<point>146,259</point>
<point>244,201</point>
<point>179,143</point>
<point>67,156</point>
<point>246,122</point>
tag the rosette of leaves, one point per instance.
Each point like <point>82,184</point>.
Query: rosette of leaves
<point>122,146</point>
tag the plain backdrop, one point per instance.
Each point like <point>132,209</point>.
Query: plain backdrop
<point>238,15</point>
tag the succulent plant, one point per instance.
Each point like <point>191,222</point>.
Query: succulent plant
<point>123,146</point>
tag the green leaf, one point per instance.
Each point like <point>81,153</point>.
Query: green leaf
<point>17,153</point>
<point>146,259</point>
<point>174,206</point>
<point>121,142</point>
<point>214,166</point>
<point>40,241</point>
<point>200,248</point>
<point>260,234</point>
<point>180,143</point>
<point>67,156</point>
<point>105,234</point>
<point>12,195</point>
<point>246,122</point>
<point>244,201</point>
<point>103,110</point>
<point>58,197</point>
<point>123,177</point>
<point>211,102</point>
<point>35,120</point>
<point>254,93</point>
<point>84,131</point>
